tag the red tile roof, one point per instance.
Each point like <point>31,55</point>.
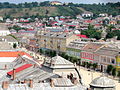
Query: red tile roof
<point>88,21</point>
<point>20,69</point>
<point>82,36</point>
<point>13,54</point>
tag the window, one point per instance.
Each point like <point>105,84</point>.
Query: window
<point>104,59</point>
<point>118,64</point>
<point>113,61</point>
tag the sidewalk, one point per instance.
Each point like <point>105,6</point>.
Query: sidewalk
<point>88,76</point>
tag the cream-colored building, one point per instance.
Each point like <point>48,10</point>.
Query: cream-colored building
<point>55,41</point>
<point>56,3</point>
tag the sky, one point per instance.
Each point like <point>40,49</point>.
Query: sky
<point>74,1</point>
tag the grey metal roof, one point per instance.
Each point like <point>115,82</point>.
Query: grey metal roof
<point>103,82</point>
<point>58,35</point>
<point>3,26</point>
<point>41,86</point>
<point>62,82</point>
<point>58,62</point>
<point>5,46</point>
<point>10,39</point>
<point>108,51</point>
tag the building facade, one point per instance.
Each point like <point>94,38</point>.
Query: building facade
<point>55,41</point>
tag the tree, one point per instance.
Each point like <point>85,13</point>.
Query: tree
<point>92,33</point>
<point>13,36</point>
<point>95,65</point>
<point>109,69</point>
<point>89,65</point>
<point>114,72</point>
<point>90,27</point>
<point>45,3</point>
<point>118,74</point>
<point>110,35</point>
<point>84,64</point>
<point>14,45</point>
<point>41,51</point>
<point>74,60</point>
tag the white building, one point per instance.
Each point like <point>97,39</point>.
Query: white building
<point>1,18</point>
<point>10,40</point>
<point>87,14</point>
<point>4,30</point>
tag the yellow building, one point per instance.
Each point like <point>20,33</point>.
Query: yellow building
<point>55,41</point>
<point>118,62</point>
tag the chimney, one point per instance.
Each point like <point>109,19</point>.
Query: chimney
<point>51,82</point>
<point>14,74</point>
<point>25,81</point>
<point>19,82</point>
<point>5,67</point>
<point>31,83</point>
<point>35,65</point>
<point>89,89</point>
<point>5,85</point>
<point>75,82</point>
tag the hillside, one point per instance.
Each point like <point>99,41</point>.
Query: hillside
<point>41,11</point>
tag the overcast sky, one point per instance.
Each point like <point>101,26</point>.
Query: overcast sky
<point>75,1</point>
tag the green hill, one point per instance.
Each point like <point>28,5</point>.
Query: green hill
<point>41,11</point>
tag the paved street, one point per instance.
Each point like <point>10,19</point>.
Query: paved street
<point>88,76</point>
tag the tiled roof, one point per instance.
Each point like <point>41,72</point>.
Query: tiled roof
<point>82,36</point>
<point>108,51</point>
<point>92,47</point>
<point>13,54</point>
<point>20,69</point>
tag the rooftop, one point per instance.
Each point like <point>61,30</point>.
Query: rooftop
<point>59,62</point>
<point>92,47</point>
<point>9,39</point>
<point>103,82</point>
<point>3,26</point>
<point>108,51</point>
<point>5,46</point>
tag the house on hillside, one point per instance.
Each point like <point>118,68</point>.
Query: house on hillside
<point>56,3</point>
<point>103,15</point>
<point>87,14</point>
